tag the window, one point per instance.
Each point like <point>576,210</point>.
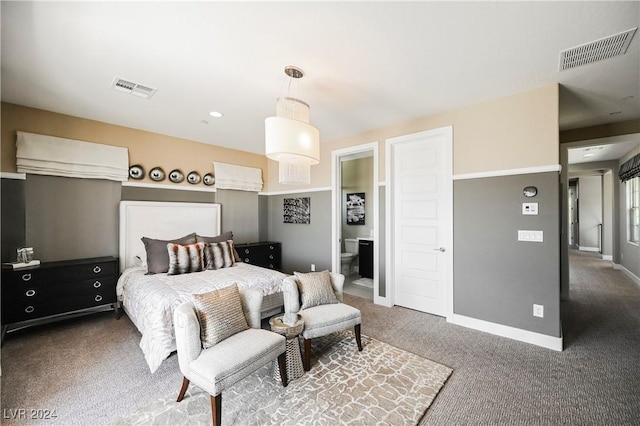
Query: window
<point>633,201</point>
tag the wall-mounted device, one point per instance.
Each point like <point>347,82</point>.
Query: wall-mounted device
<point>529,208</point>
<point>530,191</point>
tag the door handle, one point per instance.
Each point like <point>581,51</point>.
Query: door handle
<point>442,249</point>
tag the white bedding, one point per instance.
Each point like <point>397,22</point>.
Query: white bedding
<point>150,300</point>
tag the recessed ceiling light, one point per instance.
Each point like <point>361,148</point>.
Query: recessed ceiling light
<point>215,114</point>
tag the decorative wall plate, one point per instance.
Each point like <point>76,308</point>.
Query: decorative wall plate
<point>136,172</point>
<point>209,179</point>
<point>176,176</point>
<point>157,174</point>
<point>193,177</point>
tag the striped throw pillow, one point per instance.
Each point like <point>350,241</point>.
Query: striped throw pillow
<point>219,255</point>
<point>220,314</point>
<point>185,259</point>
<point>315,289</point>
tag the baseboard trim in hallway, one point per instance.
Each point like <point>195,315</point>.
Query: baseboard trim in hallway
<point>627,272</point>
<point>549,342</point>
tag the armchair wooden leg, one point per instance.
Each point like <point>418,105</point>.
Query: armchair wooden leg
<point>356,330</point>
<point>185,385</point>
<point>282,364</point>
<point>216,409</point>
<point>307,355</point>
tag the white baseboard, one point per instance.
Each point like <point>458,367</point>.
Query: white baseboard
<point>627,272</point>
<point>607,257</point>
<point>549,342</point>
<point>581,248</point>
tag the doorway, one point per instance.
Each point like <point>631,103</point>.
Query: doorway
<point>573,225</point>
<point>355,219</point>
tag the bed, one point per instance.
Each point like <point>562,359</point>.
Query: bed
<point>149,300</point>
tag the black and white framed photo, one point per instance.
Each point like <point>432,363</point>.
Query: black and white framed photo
<point>355,208</point>
<point>297,210</point>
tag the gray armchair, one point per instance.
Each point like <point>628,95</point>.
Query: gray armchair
<point>323,319</point>
<point>217,368</point>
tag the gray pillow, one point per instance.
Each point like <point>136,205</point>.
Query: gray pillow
<point>220,238</point>
<point>315,289</point>
<point>157,255</point>
<point>220,315</point>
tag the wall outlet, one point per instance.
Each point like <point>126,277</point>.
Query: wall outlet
<point>538,310</point>
<point>313,267</point>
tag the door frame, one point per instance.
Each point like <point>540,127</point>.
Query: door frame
<point>445,132</point>
<point>336,208</point>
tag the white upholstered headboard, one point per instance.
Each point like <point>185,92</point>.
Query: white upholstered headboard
<point>162,221</point>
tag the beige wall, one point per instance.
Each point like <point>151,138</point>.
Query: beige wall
<point>146,148</point>
<point>508,133</point>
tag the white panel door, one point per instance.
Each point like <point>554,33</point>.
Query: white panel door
<point>421,186</point>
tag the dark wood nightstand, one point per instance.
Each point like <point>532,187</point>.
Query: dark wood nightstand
<point>267,254</point>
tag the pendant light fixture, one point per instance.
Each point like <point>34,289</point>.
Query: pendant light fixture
<point>289,138</point>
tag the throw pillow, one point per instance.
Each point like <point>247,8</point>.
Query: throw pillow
<point>219,255</point>
<point>220,238</point>
<point>315,289</point>
<point>185,259</point>
<point>157,256</point>
<point>220,315</point>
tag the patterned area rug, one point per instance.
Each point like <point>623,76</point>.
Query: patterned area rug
<point>380,385</point>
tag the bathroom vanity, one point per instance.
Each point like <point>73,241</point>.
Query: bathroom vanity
<point>365,250</point>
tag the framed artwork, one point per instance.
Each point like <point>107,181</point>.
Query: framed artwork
<point>355,208</point>
<point>297,210</point>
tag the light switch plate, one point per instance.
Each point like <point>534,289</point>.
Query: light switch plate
<point>530,208</point>
<point>533,236</point>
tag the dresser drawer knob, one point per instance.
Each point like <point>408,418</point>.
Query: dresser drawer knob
<point>246,260</point>
<point>270,256</point>
<point>98,298</point>
<point>26,277</point>
<point>97,284</point>
<point>270,247</point>
<point>30,293</point>
<point>271,265</point>
<point>246,251</point>
<point>97,269</point>
<point>29,309</point>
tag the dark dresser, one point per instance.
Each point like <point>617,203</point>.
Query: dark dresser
<point>267,254</point>
<point>55,288</point>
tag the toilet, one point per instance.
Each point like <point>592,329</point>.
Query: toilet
<point>346,259</point>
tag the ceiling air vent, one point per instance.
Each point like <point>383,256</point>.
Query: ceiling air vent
<point>598,50</point>
<point>133,88</point>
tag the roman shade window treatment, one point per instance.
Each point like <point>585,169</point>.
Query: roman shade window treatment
<point>53,156</point>
<point>630,169</point>
<point>242,178</point>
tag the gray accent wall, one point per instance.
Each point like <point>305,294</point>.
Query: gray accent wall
<point>12,217</point>
<point>496,277</point>
<point>302,245</point>
<point>67,218</point>
<point>239,214</point>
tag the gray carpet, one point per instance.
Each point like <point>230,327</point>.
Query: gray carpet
<point>91,371</point>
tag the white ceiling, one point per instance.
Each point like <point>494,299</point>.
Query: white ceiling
<point>367,64</point>
<point>604,149</point>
